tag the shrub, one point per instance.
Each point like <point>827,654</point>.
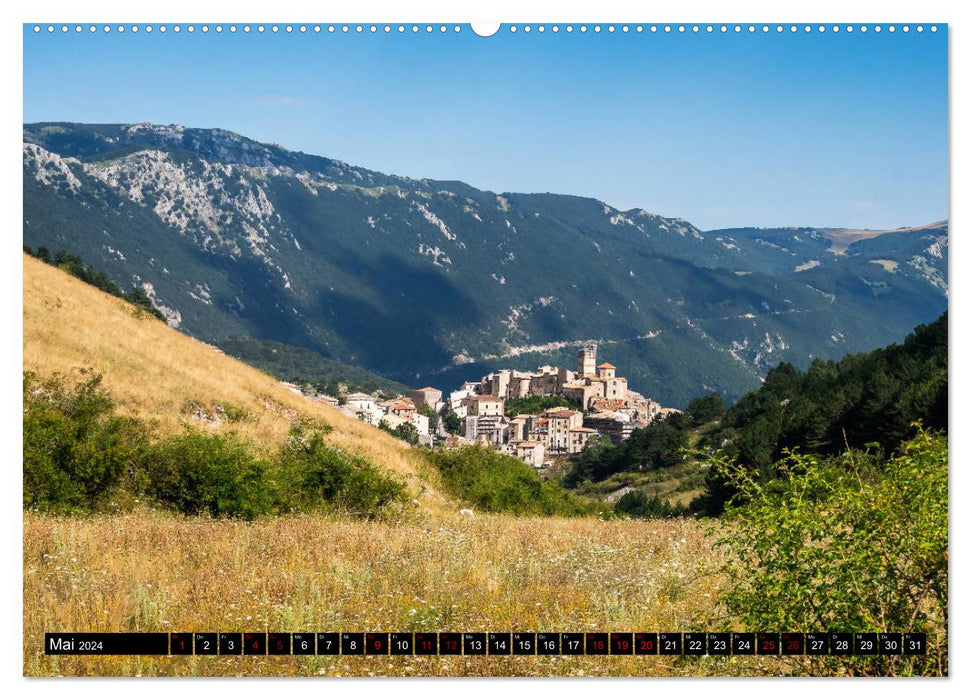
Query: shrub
<point>319,476</point>
<point>848,543</point>
<point>499,483</point>
<point>201,474</point>
<point>636,504</point>
<point>452,423</point>
<point>76,449</point>
<point>705,409</point>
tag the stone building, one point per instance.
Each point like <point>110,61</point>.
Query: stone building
<point>491,429</point>
<point>560,421</point>
<point>587,360</point>
<point>428,396</point>
<point>578,439</point>
<point>532,453</point>
<point>616,425</point>
<point>485,405</point>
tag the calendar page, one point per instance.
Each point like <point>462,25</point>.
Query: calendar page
<point>514,349</point>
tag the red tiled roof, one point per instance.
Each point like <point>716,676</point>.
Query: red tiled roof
<point>606,365</point>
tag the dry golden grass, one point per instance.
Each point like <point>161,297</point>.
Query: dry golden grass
<point>432,571</point>
<point>152,572</point>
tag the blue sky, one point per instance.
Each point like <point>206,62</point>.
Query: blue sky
<point>720,129</point>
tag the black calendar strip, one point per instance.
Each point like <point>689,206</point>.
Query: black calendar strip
<point>485,643</point>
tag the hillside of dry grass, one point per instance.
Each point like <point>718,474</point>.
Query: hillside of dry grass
<point>159,374</point>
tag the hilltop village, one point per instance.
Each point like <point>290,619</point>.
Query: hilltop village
<point>600,403</point>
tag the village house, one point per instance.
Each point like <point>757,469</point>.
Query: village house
<point>485,406</point>
<point>368,407</point>
<point>491,429</point>
<point>560,421</point>
<point>578,439</point>
<point>428,396</point>
<point>532,453</point>
<point>519,427</point>
<point>403,408</point>
<point>616,425</point>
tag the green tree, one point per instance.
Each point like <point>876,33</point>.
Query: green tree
<point>538,404</point>
<point>705,409</point>
<point>452,423</point>
<point>406,431</point>
<point>594,460</point>
<point>492,481</point>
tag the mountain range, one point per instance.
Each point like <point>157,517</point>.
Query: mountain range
<point>434,282</point>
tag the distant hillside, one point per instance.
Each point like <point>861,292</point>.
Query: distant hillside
<point>433,282</point>
<point>305,366</point>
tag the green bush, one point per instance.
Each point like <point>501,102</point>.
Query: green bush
<point>500,483</point>
<point>705,409</point>
<point>655,446</point>
<point>452,423</point>
<point>77,451</point>
<point>201,474</point>
<point>318,475</point>
<point>847,543</point>
<point>637,504</point>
